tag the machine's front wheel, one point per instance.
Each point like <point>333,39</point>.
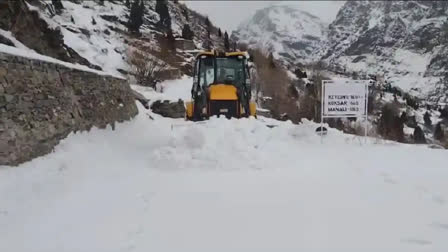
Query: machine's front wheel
<point>253,109</point>
<point>189,111</point>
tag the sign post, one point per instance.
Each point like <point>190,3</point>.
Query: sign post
<point>344,98</point>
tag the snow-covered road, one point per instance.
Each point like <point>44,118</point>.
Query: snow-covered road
<point>224,185</point>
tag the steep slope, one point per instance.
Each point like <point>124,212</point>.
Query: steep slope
<point>26,25</point>
<point>406,41</point>
<point>95,33</point>
<point>294,36</point>
<point>403,40</point>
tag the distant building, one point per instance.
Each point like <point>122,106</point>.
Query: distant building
<point>184,44</point>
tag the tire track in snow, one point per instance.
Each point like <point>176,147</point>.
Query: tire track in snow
<point>416,241</point>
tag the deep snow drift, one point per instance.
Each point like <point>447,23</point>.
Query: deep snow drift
<point>224,185</point>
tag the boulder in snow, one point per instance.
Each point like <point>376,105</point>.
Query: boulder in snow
<point>141,98</point>
<point>169,109</point>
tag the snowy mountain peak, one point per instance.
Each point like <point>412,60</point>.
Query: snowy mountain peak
<point>290,33</point>
<point>404,40</point>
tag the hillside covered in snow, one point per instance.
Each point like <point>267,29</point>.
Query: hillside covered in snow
<point>96,34</point>
<point>404,41</point>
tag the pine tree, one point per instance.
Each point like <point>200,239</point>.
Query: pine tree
<point>226,41</point>
<point>128,4</point>
<point>93,21</point>
<point>219,32</point>
<point>101,2</point>
<point>271,60</point>
<point>142,9</point>
<point>427,119</point>
<point>444,32</point>
<point>57,6</point>
<point>187,33</point>
<point>72,19</point>
<point>208,27</point>
<point>164,14</point>
<point>444,113</point>
<point>185,13</point>
<point>207,22</point>
<point>438,132</point>
<point>404,117</point>
<point>170,39</point>
<point>419,136</point>
<point>136,16</point>
<point>390,125</point>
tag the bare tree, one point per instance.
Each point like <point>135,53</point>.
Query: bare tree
<point>145,67</point>
<point>273,82</point>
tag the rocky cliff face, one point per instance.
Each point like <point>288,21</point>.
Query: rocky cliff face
<point>403,40</point>
<point>27,26</point>
<point>41,102</point>
<point>406,41</point>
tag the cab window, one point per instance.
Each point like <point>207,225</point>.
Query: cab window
<point>206,72</point>
<point>230,71</point>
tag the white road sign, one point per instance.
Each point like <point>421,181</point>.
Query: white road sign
<point>344,98</point>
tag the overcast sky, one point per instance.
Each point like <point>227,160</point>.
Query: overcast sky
<point>229,14</point>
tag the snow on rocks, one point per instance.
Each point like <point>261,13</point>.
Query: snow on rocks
<point>9,36</point>
<point>169,109</point>
<point>30,54</point>
<point>293,35</point>
<point>88,40</point>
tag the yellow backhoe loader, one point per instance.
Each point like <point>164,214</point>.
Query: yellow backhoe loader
<point>221,86</point>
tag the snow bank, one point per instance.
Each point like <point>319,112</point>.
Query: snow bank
<point>16,43</point>
<point>26,53</point>
<point>225,185</point>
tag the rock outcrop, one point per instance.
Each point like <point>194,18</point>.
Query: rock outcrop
<point>169,109</point>
<point>404,40</point>
<point>27,26</point>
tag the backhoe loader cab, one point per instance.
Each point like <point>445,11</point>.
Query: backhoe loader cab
<point>221,86</point>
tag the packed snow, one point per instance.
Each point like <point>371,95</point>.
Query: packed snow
<point>160,184</point>
<point>30,54</point>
